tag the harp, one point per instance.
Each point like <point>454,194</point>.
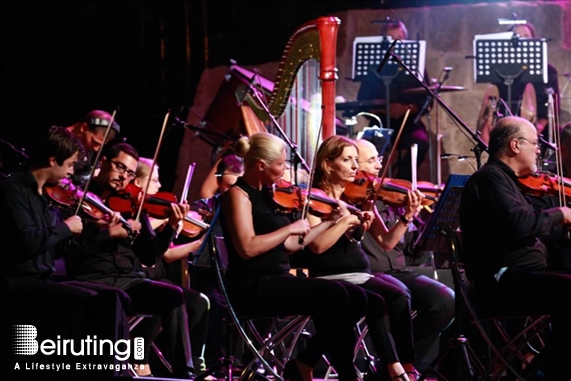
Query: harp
<point>302,98</point>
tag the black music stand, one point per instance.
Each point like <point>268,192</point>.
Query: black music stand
<point>507,60</point>
<point>368,54</point>
<point>446,216</point>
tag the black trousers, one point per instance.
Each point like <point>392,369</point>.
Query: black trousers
<point>335,308</point>
<point>543,291</point>
<point>65,311</point>
<point>433,302</point>
<point>168,302</point>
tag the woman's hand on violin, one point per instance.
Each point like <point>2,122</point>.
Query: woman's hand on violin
<point>74,224</point>
<point>178,212</point>
<point>299,227</point>
<point>367,219</point>
<point>351,219</point>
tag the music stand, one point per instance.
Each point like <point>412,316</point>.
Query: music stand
<point>446,216</point>
<point>506,58</point>
<point>369,51</point>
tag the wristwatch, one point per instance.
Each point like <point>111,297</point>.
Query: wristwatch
<point>405,220</point>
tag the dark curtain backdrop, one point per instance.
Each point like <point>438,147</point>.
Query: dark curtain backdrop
<point>61,59</point>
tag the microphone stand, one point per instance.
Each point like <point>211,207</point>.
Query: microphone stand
<point>201,131</point>
<point>479,146</point>
<point>295,156</point>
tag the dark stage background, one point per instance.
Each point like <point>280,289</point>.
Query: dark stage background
<point>61,59</point>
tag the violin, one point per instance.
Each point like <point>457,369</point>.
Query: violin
<point>157,205</point>
<point>544,183</point>
<point>290,198</point>
<point>193,224</point>
<point>391,191</point>
<point>68,195</point>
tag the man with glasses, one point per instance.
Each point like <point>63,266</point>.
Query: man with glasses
<point>433,301</point>
<point>501,246</point>
<point>114,257</point>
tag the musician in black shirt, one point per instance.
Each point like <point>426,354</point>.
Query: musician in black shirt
<point>33,228</point>
<point>111,256</point>
<point>501,232</point>
<point>91,132</point>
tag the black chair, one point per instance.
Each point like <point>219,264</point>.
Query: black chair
<point>271,346</point>
<point>508,336</point>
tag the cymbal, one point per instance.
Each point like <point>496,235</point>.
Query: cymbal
<point>443,89</point>
<point>358,105</point>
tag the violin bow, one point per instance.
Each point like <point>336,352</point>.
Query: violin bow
<point>552,123</point>
<point>95,163</point>
<point>413,163</point>
<point>305,208</point>
<point>146,190</point>
<point>391,155</point>
<point>187,181</point>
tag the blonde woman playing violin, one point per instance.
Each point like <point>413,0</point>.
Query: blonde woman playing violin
<point>337,255</point>
<point>197,304</point>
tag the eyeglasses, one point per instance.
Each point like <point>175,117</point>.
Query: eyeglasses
<point>375,160</point>
<point>121,168</point>
<point>535,144</point>
<point>226,173</point>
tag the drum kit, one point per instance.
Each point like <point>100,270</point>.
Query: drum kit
<point>488,114</point>
<point>357,112</point>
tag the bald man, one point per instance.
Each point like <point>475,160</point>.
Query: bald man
<point>433,301</point>
<point>501,246</point>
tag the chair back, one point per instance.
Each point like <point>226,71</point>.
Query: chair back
<point>506,332</point>
<point>271,351</point>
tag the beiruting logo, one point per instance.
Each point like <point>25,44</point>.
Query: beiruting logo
<point>25,343</point>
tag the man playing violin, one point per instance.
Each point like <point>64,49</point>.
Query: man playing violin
<point>433,301</point>
<point>501,245</point>
<point>109,255</point>
<point>33,229</point>
<point>557,241</point>
<point>91,132</point>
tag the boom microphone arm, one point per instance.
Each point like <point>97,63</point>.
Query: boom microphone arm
<point>479,146</point>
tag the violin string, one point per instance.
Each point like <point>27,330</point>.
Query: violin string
<point>95,163</point>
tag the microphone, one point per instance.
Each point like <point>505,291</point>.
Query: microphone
<point>244,89</point>
<point>545,143</point>
<point>387,56</point>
